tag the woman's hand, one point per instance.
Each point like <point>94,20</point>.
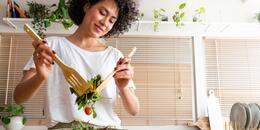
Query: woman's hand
<point>124,74</point>
<point>42,58</point>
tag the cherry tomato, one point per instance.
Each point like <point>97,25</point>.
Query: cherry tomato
<point>88,110</point>
<point>91,88</point>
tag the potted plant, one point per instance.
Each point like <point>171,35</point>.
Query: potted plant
<point>257,17</point>
<point>11,116</point>
<point>43,17</point>
<point>198,14</point>
<point>179,15</point>
<point>158,15</point>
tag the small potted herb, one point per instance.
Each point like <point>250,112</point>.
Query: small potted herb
<point>158,15</point>
<point>11,116</point>
<point>179,15</point>
<point>198,14</point>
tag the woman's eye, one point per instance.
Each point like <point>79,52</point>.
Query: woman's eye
<point>112,21</point>
<point>102,12</point>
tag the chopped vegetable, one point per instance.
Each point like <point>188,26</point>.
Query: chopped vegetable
<point>90,97</point>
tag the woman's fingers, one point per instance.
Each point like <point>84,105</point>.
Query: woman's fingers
<point>124,71</point>
<point>125,74</point>
<point>125,60</point>
<point>42,54</point>
<point>37,43</point>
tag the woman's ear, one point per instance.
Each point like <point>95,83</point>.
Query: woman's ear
<point>86,7</point>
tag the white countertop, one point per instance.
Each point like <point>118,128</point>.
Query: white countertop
<point>170,127</point>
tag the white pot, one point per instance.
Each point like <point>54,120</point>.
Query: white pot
<point>16,123</point>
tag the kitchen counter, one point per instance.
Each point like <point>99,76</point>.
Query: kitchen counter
<point>170,127</point>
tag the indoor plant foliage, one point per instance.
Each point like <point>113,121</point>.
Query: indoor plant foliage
<point>158,15</point>
<point>11,113</point>
<point>43,17</point>
<point>39,13</point>
<point>197,17</point>
<point>179,15</point>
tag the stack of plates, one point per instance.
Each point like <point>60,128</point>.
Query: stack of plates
<point>245,116</point>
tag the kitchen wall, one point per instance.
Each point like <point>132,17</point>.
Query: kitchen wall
<point>216,10</point>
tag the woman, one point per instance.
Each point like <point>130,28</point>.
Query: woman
<point>83,51</point>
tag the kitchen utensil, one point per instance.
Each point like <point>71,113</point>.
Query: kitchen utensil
<point>255,111</point>
<point>202,123</point>
<point>110,76</point>
<point>248,116</point>
<point>215,117</point>
<point>76,81</point>
<point>238,116</point>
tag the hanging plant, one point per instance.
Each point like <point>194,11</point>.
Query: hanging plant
<point>179,15</point>
<point>158,17</point>
<point>43,18</point>
<point>140,18</point>
<point>38,12</point>
<point>60,15</point>
<point>258,17</point>
<point>198,14</point>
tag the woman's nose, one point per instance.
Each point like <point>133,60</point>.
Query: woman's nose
<point>104,22</point>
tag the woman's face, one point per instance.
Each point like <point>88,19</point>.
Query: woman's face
<point>100,18</point>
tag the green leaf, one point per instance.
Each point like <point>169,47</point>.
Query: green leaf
<point>182,14</point>
<point>67,23</point>
<point>202,10</point>
<point>5,120</point>
<point>2,109</point>
<point>258,17</point>
<point>182,5</point>
<point>64,12</point>
<point>24,120</point>
<point>94,113</point>
<point>47,23</point>
<point>162,10</point>
<point>53,18</point>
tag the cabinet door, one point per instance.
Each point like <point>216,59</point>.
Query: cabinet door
<point>15,51</point>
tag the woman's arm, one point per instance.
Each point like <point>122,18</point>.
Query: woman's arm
<point>123,78</point>
<point>34,78</point>
<point>130,100</point>
<point>28,86</point>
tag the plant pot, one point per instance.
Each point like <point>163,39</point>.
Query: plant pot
<point>16,123</point>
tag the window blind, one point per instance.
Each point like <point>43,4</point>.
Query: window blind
<point>163,77</point>
<point>233,70</point>
<point>15,51</point>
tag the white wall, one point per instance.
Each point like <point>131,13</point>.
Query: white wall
<point>216,10</point>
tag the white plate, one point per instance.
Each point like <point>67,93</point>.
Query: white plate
<point>238,116</point>
<point>248,116</point>
<point>255,111</point>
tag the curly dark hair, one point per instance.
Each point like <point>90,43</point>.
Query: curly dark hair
<point>127,14</point>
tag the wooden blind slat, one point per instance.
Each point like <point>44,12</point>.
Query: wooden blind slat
<point>233,70</point>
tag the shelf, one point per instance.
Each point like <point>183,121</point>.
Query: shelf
<point>14,22</point>
<point>166,28</point>
<point>17,24</point>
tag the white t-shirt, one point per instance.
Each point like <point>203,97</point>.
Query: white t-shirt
<point>60,103</point>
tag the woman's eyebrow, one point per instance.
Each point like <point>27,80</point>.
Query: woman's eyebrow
<point>107,11</point>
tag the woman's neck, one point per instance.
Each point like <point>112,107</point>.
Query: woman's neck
<point>87,43</point>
